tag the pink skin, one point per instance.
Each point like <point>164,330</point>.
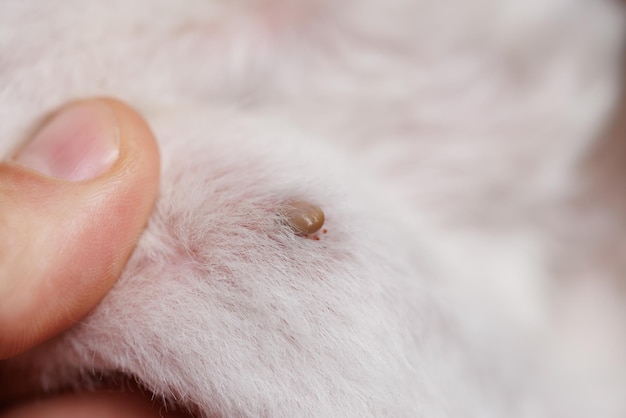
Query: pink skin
<point>76,198</point>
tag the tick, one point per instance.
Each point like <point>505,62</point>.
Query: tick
<point>303,217</point>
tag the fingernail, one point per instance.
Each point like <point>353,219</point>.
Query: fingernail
<point>79,143</point>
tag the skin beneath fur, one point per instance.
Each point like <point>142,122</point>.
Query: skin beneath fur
<point>451,145</point>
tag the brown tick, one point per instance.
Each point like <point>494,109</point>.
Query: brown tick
<point>303,217</point>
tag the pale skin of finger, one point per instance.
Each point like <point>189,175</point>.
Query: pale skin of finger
<point>59,257</point>
<point>62,244</point>
<point>93,405</point>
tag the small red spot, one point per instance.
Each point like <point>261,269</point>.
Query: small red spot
<point>324,231</point>
<point>316,237</point>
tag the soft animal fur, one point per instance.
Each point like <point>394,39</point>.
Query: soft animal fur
<point>472,265</point>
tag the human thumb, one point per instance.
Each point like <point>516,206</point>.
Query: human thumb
<point>73,202</point>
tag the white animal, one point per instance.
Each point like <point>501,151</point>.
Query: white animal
<point>472,264</point>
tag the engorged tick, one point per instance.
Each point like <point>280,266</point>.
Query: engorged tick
<point>303,217</point>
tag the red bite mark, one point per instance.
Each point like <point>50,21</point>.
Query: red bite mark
<point>316,237</point>
<point>324,231</point>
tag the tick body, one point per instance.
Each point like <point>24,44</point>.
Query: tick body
<point>303,217</point>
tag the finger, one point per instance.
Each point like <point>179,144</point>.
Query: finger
<point>73,203</point>
<point>93,404</point>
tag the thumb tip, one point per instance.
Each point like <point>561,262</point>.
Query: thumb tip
<point>79,142</point>
<point>63,244</point>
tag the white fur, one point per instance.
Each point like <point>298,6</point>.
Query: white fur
<point>439,137</point>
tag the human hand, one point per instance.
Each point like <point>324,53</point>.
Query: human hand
<point>73,202</point>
